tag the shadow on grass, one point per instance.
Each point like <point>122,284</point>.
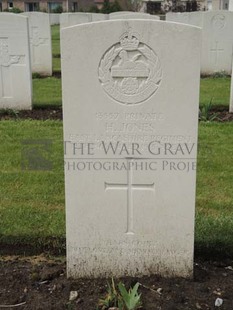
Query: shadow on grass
<point>26,245</point>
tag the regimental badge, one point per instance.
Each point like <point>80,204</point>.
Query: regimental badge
<point>130,71</point>
<point>218,21</point>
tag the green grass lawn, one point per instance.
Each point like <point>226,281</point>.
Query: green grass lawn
<point>56,48</point>
<point>32,208</point>
<point>47,92</point>
<point>214,212</point>
<point>32,212</point>
<point>215,89</point>
<point>32,202</point>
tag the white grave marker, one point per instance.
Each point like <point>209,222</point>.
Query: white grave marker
<point>217,39</point>
<point>130,131</point>
<point>134,15</point>
<point>72,19</point>
<point>40,42</point>
<point>192,18</point>
<point>217,42</point>
<point>15,73</point>
<point>54,18</point>
<point>96,17</point>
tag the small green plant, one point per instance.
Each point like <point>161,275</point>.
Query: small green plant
<point>13,10</point>
<point>120,298</point>
<point>9,112</point>
<point>131,298</point>
<point>94,9</point>
<point>220,74</point>
<point>58,9</point>
<point>36,75</point>
<point>111,299</point>
<point>205,113</point>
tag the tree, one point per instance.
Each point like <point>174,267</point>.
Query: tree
<point>94,9</point>
<point>133,5</point>
<point>110,7</point>
<point>106,9</point>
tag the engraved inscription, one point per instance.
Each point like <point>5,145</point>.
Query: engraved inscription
<point>130,72</point>
<point>6,60</point>
<point>218,21</point>
<point>129,187</point>
<point>216,50</point>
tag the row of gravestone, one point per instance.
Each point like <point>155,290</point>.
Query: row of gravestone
<point>130,107</point>
<point>217,40</point>
<point>65,18</point>
<point>25,47</point>
<point>16,56</point>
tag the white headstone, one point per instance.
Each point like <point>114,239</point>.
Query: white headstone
<point>134,15</point>
<point>71,19</point>
<point>40,42</point>
<point>230,5</point>
<point>217,42</point>
<point>96,17</point>
<point>121,12</point>
<point>15,70</point>
<point>217,39</point>
<point>193,18</point>
<point>54,19</point>
<point>130,131</point>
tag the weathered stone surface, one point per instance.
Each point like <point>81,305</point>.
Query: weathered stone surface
<point>71,19</point>
<point>40,42</point>
<point>54,19</point>
<point>133,15</point>
<point>130,131</point>
<point>15,70</point>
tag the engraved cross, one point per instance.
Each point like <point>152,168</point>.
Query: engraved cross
<point>6,60</point>
<point>216,50</point>
<point>129,187</point>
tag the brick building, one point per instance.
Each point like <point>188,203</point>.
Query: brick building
<point>51,5</point>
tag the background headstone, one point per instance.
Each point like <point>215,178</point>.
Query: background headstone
<point>96,17</point>
<point>71,19</point>
<point>230,5</point>
<point>15,70</point>
<point>134,15</point>
<point>217,39</point>
<point>130,147</point>
<point>193,18</point>
<point>54,19</point>
<point>217,42</point>
<point>121,12</point>
<point>40,42</point>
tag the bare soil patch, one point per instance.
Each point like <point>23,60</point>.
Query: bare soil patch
<point>41,284</point>
<point>55,113</point>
